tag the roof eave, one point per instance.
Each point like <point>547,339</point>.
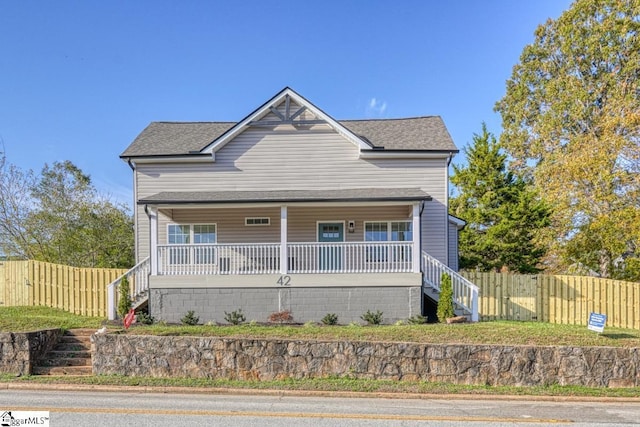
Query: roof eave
<point>406,154</point>
<point>170,158</point>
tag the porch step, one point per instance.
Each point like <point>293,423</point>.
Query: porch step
<point>141,301</point>
<point>70,356</point>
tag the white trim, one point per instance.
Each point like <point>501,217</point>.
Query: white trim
<point>369,154</point>
<point>173,159</point>
<point>214,205</point>
<point>191,232</point>
<point>284,257</point>
<point>415,235</point>
<point>274,102</point>
<point>153,239</point>
<point>318,222</point>
<point>324,280</point>
<point>388,222</point>
<point>459,223</point>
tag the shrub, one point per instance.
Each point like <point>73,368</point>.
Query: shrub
<point>145,318</point>
<point>372,318</point>
<point>445,303</point>
<point>124,300</point>
<point>235,317</point>
<point>417,320</point>
<point>330,319</point>
<point>190,318</point>
<point>284,316</point>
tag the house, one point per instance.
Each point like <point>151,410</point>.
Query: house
<point>292,210</point>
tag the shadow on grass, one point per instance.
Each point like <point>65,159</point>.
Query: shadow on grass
<point>619,336</point>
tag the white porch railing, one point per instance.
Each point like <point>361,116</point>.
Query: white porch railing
<point>310,258</point>
<point>234,259</point>
<point>465,293</point>
<point>138,278</point>
<point>360,257</point>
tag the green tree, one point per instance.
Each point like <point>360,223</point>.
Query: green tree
<point>571,120</point>
<point>124,300</point>
<point>59,217</point>
<point>445,302</point>
<point>503,214</point>
<point>15,205</point>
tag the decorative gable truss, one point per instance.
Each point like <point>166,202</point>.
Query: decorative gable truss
<point>287,108</point>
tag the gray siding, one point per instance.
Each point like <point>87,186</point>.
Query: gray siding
<point>453,247</point>
<point>288,159</point>
<point>302,221</point>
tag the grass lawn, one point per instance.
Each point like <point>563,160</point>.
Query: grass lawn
<point>22,319</point>
<point>497,332</point>
<point>17,319</point>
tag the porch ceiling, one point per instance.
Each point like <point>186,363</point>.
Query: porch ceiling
<point>288,196</point>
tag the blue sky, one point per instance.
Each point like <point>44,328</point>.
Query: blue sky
<point>80,79</point>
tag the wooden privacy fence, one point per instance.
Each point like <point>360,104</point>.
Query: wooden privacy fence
<point>77,290</point>
<point>556,299</point>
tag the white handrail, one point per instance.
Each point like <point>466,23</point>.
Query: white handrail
<point>465,293</point>
<point>138,277</point>
<point>350,257</point>
<point>250,258</point>
<point>264,258</point>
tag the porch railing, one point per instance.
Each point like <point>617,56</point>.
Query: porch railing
<point>138,278</point>
<point>360,257</point>
<point>234,259</point>
<point>465,293</point>
<point>264,258</point>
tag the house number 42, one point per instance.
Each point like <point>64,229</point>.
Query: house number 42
<point>284,281</point>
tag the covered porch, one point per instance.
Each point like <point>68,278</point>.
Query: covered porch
<point>368,231</point>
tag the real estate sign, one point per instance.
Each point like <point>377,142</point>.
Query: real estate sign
<point>597,321</point>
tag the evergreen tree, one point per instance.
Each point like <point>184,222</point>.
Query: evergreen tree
<point>503,214</point>
<point>445,303</point>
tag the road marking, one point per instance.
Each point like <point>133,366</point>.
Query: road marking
<point>215,413</point>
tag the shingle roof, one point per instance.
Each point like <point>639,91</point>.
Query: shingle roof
<point>417,133</point>
<point>357,194</point>
<point>181,138</point>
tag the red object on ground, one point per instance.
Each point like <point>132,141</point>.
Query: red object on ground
<point>129,318</point>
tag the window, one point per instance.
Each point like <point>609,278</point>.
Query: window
<point>257,221</point>
<point>192,239</point>
<point>387,231</point>
<point>204,233</point>
<point>179,234</point>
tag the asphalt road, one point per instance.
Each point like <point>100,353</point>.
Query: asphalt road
<point>130,408</point>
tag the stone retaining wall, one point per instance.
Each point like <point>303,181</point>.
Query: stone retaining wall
<point>263,359</point>
<point>20,350</point>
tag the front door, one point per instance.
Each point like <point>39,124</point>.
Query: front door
<point>330,256</point>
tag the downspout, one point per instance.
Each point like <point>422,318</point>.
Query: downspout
<point>446,216</point>
<point>421,269</point>
<point>135,210</point>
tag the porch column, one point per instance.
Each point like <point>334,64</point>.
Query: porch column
<point>153,239</point>
<point>284,257</point>
<point>417,232</point>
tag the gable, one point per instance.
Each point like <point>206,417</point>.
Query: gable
<point>287,110</point>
